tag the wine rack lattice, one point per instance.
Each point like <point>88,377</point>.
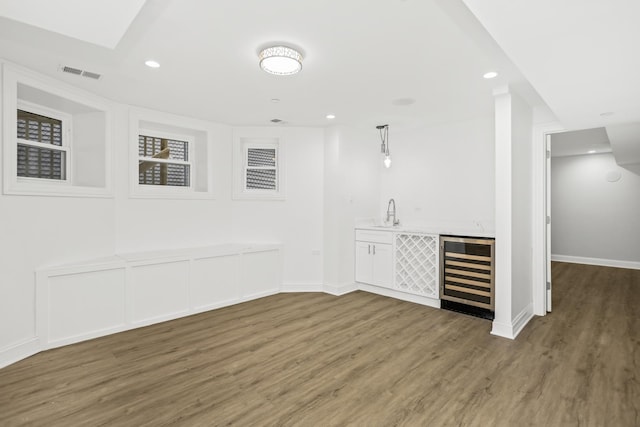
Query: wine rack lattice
<point>416,264</point>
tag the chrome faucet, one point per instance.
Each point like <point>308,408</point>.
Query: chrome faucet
<point>391,212</point>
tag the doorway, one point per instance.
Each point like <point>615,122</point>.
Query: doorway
<point>576,166</point>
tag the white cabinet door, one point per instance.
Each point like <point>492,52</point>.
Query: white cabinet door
<point>364,262</point>
<point>374,264</point>
<point>383,265</point>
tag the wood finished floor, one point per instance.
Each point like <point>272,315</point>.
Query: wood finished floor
<point>358,359</point>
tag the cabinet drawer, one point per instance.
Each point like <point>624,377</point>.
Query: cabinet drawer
<point>374,236</point>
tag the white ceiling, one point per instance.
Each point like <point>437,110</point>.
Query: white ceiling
<point>580,142</point>
<point>100,23</point>
<point>580,55</point>
<point>364,61</point>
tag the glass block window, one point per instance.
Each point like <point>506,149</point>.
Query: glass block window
<point>42,151</point>
<point>163,161</point>
<point>261,169</point>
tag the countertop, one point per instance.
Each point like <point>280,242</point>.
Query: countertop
<point>442,230</point>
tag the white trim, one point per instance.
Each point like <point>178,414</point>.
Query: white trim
<point>165,125</point>
<point>302,287</point>
<point>18,351</point>
<point>521,320</point>
<point>634,265</point>
<point>87,336</point>
<point>66,141</point>
<point>504,205</point>
<point>258,138</point>
<point>13,76</point>
<point>539,223</point>
<point>160,189</point>
<point>429,302</point>
<point>511,330</point>
<point>338,290</point>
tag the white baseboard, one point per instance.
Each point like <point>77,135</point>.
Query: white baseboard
<point>596,261</point>
<point>54,343</point>
<point>301,287</point>
<point>522,319</point>
<point>338,290</point>
<point>429,302</point>
<point>511,330</point>
<point>19,351</point>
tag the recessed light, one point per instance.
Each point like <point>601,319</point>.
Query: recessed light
<point>591,151</point>
<point>275,100</point>
<point>331,116</point>
<point>490,75</point>
<point>152,64</point>
<point>403,101</point>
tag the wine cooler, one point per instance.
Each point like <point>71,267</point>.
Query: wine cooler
<point>467,275</point>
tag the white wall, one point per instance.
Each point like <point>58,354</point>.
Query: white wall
<point>42,231</point>
<point>39,231</point>
<point>297,221</point>
<point>145,224</point>
<point>441,175</point>
<point>351,192</point>
<point>522,208</point>
<point>514,221</point>
<point>594,220</point>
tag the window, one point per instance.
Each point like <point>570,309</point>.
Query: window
<point>43,143</point>
<point>164,161</point>
<point>258,168</point>
<point>261,169</point>
<point>56,139</point>
<point>170,157</point>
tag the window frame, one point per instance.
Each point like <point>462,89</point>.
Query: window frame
<point>66,147</point>
<point>257,138</point>
<point>20,84</point>
<point>245,166</point>
<point>190,155</point>
<point>201,134</point>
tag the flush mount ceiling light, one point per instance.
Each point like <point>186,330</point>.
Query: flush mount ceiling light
<point>490,75</point>
<point>384,147</point>
<point>280,60</point>
<point>152,64</point>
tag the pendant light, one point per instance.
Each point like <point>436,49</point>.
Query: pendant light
<point>384,147</point>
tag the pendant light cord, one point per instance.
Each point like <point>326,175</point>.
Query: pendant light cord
<point>385,138</point>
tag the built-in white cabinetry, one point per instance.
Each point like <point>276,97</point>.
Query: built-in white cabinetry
<point>404,262</point>
<point>98,297</point>
<point>374,258</point>
<point>416,264</point>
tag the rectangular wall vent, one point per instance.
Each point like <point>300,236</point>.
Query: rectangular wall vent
<point>79,72</point>
<point>71,70</point>
<point>90,75</point>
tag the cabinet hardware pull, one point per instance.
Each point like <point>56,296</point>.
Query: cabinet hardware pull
<point>374,249</point>
<point>369,249</point>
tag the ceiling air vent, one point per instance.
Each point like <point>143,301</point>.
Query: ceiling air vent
<point>71,70</point>
<point>90,75</point>
<point>275,120</point>
<point>79,72</point>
